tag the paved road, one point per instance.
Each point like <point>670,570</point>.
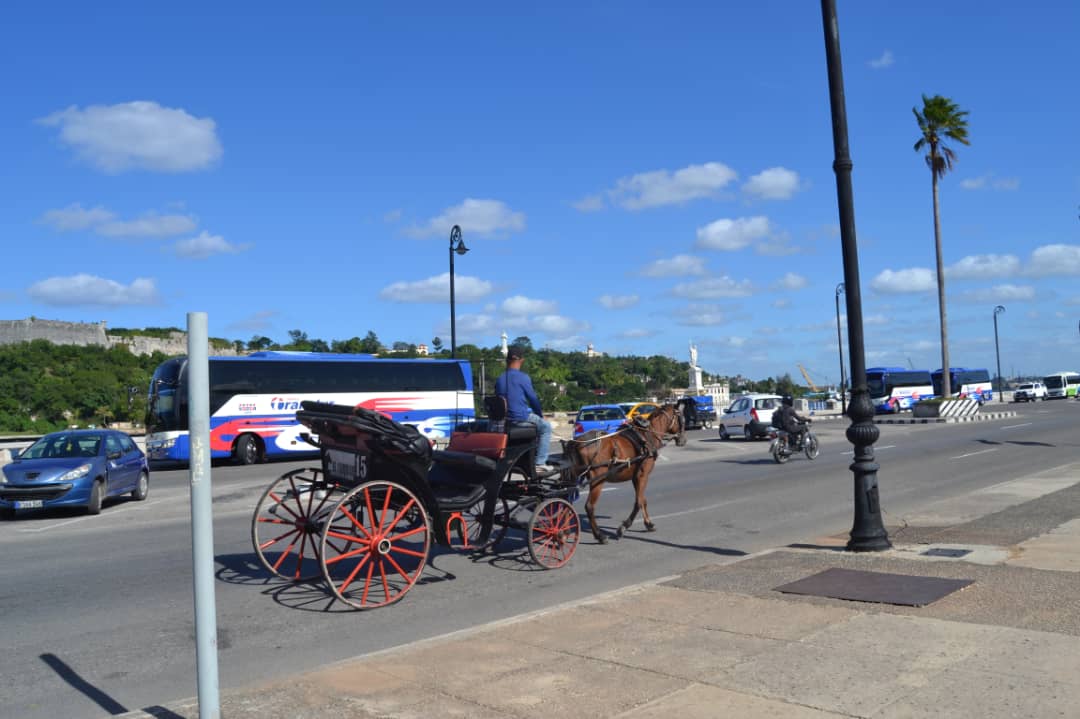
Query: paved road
<point>98,610</point>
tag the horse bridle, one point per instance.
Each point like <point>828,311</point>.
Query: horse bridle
<point>667,435</point>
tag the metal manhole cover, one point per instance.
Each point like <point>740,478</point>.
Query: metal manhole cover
<point>942,552</point>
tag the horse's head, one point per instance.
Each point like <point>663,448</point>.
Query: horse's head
<point>668,423</point>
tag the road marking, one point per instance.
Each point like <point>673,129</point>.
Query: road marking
<point>1014,426</point>
<point>888,446</point>
<point>695,510</point>
<point>972,454</point>
<point>112,513</point>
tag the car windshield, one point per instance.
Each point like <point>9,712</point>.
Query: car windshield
<point>1027,386</point>
<point>63,446</point>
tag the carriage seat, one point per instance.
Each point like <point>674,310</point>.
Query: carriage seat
<point>516,432</point>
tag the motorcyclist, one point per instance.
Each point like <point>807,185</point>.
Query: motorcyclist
<point>792,422</point>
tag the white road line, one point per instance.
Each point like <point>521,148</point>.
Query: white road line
<point>1014,426</point>
<point>113,512</point>
<point>888,446</point>
<point>972,454</point>
<point>695,510</point>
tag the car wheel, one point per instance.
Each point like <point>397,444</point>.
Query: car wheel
<point>142,488</point>
<point>247,449</point>
<point>97,496</point>
<point>746,433</point>
<point>724,433</point>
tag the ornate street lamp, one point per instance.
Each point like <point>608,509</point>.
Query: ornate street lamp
<point>457,246</point>
<point>840,346</point>
<point>867,532</point>
<point>1001,389</point>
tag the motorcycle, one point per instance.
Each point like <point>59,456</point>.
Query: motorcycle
<point>782,450</point>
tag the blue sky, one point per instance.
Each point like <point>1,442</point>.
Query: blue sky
<point>638,176</point>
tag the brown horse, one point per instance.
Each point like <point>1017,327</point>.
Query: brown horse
<point>628,454</point>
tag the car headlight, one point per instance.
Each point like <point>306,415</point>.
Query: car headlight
<point>80,471</point>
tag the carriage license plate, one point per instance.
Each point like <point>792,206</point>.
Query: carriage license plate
<point>29,504</point>
<point>347,466</point>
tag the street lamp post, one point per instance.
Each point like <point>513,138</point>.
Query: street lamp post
<point>1001,389</point>
<point>840,346</point>
<point>867,531</point>
<point>457,246</point>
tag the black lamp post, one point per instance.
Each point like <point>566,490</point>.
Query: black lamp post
<point>867,532</point>
<point>1001,389</point>
<point>457,245</point>
<point>840,346</point>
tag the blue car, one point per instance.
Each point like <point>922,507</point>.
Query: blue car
<point>76,468</point>
<point>607,418</point>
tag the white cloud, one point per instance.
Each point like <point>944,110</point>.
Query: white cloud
<point>726,234</point>
<point>75,217</point>
<point>915,279</point>
<point>392,216</point>
<point>1061,260</point>
<point>713,288</point>
<point>792,281</point>
<point>482,217</point>
<point>877,320</point>
<point>520,305</point>
<point>885,60</point>
<point>778,245</point>
<point>781,303</point>
<point>83,289</point>
<point>206,245</point>
<point>589,203</point>
<point>258,322</point>
<point>138,136</point>
<point>618,302</point>
<point>150,224</point>
<point>975,267</point>
<point>677,266</point>
<point>1001,293</point>
<point>699,315</point>
<point>989,181</point>
<point>558,326</point>
<point>663,187</point>
<point>637,333</point>
<point>776,183</point>
<point>437,289</point>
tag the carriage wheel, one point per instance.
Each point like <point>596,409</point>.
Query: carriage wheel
<point>500,521</point>
<point>554,530</point>
<point>288,521</point>
<point>375,545</point>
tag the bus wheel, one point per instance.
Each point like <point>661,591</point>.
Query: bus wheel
<point>247,449</point>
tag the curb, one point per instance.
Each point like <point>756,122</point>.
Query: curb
<point>949,420</point>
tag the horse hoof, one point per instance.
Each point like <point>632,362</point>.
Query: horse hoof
<point>619,533</point>
<point>601,539</point>
<point>650,527</point>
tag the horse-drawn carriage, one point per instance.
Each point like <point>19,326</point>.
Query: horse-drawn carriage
<point>365,518</point>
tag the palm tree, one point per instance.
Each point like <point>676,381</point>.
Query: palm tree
<point>941,119</point>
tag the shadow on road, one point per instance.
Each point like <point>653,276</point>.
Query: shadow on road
<point>96,695</point>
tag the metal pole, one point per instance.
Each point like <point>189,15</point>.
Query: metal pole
<point>867,532</point>
<point>840,346</point>
<point>1001,389</point>
<point>202,520</point>
<point>455,236</point>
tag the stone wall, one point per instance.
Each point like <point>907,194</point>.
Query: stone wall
<point>91,333</point>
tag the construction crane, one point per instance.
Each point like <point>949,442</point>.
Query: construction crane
<point>806,376</point>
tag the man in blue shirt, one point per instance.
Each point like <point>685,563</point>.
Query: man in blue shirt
<point>522,404</point>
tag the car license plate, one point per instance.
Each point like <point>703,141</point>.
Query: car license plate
<point>29,504</point>
<point>347,466</point>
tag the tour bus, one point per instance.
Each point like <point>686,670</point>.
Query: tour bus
<point>965,383</point>
<point>1061,385</point>
<point>254,399</point>
<point>893,389</point>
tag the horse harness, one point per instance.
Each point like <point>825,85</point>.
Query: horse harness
<point>614,465</point>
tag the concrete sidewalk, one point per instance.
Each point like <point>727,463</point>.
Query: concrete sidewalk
<point>719,641</point>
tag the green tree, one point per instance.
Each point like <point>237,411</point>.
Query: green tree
<point>370,343</point>
<point>259,342</point>
<point>436,345</point>
<point>941,119</point>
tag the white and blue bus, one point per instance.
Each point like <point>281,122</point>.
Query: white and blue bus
<point>893,389</point>
<point>254,399</point>
<point>1062,385</point>
<point>965,383</point>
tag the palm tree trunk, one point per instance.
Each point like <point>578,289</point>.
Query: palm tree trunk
<point>946,379</point>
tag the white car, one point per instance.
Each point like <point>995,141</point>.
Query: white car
<point>1030,392</point>
<point>737,418</point>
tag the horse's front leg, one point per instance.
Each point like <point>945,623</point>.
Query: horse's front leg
<point>590,504</point>
<point>629,521</point>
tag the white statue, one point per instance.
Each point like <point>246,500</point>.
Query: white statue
<point>693,355</point>
<point>505,348</point>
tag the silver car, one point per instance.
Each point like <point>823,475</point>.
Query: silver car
<point>748,415</point>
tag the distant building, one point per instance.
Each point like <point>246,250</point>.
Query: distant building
<point>590,351</point>
<point>421,350</point>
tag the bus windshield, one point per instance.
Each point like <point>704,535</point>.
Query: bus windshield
<point>1054,381</point>
<point>163,405</point>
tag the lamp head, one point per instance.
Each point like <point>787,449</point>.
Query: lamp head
<point>461,249</point>
<point>999,309</point>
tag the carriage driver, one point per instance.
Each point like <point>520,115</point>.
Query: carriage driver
<point>522,404</point>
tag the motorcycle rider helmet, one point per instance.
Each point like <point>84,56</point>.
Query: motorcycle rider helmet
<point>787,400</point>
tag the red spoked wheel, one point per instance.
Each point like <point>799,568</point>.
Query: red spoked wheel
<point>375,545</point>
<point>466,537</point>
<point>554,530</point>
<point>288,522</point>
